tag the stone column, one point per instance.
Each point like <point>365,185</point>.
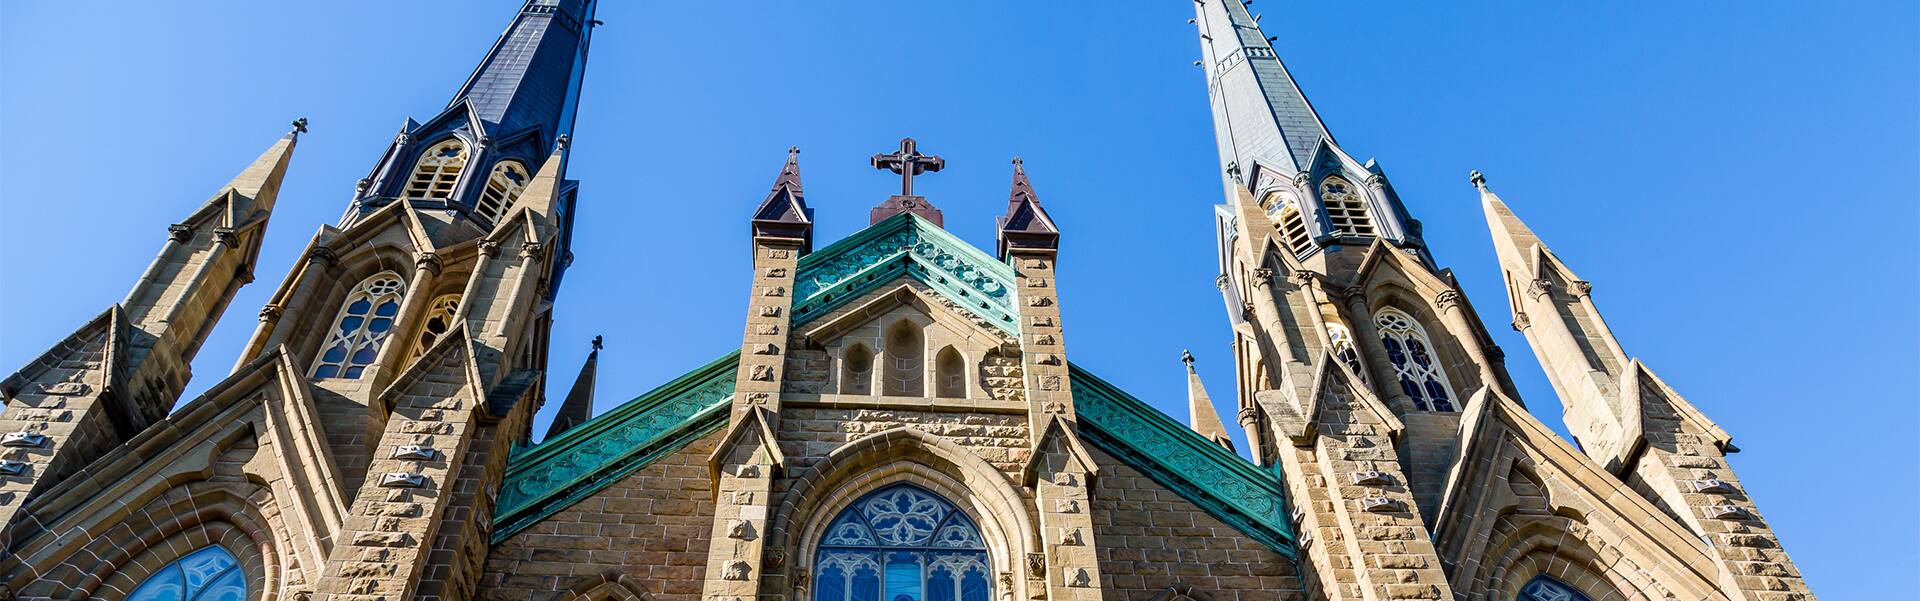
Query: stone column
<point>1385,383</point>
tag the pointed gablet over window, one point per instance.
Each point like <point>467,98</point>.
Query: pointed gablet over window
<point>1026,224</point>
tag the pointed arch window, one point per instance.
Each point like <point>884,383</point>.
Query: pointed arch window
<point>1285,213</point>
<point>1346,207</point>
<point>906,371</point>
<point>856,371</point>
<point>365,321</point>
<point>440,314</point>
<point>950,374</point>
<point>902,543</point>
<point>504,185</point>
<point>1414,362</point>
<point>1546,588</point>
<point>209,574</point>
<point>437,171</point>
<point>1343,349</point>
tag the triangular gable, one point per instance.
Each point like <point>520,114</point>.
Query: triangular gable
<point>1227,486</point>
<point>592,455</point>
<point>904,244</point>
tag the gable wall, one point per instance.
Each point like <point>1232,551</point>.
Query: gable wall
<point>1150,539</point>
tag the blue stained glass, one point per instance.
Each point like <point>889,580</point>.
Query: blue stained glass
<point>833,583</point>
<point>974,586</point>
<point>351,324</point>
<point>940,585</point>
<point>1545,588</point>
<point>210,574</point>
<point>335,354</point>
<point>388,309</point>
<point>359,307</point>
<point>931,551</point>
<point>1419,353</point>
<point>364,356</point>
<point>866,585</point>
<point>354,372</point>
<point>903,577</point>
<point>326,371</point>
<point>1394,353</point>
<point>379,326</point>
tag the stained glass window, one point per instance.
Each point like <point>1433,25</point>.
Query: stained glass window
<point>437,171</point>
<point>364,323</point>
<point>439,319</point>
<point>210,574</point>
<point>1342,340</point>
<point>902,543</point>
<point>1414,362</point>
<point>1545,588</point>
<point>508,180</point>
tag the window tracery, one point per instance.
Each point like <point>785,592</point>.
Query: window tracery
<point>365,321</point>
<point>439,319</point>
<point>437,171</point>
<point>1343,349</point>
<point>1546,588</point>
<point>902,543</point>
<point>209,574</point>
<point>1414,362</point>
<point>1285,213</point>
<point>504,185</point>
<point>1346,207</point>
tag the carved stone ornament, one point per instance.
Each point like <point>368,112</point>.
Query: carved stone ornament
<point>1540,287</point>
<point>402,480</point>
<point>1262,277</point>
<point>800,578</point>
<point>1036,565</point>
<point>1066,506</point>
<point>1495,353</point>
<point>1081,578</point>
<point>737,570</point>
<point>747,471</point>
<point>739,530</point>
<point>225,237</point>
<point>769,311</point>
<point>1726,512</point>
<point>1221,282</point>
<point>1377,504</point>
<point>1447,299</point>
<point>1072,537</point>
<point>1582,288</point>
<point>532,250</point>
<point>1371,477</point>
<point>65,388</point>
<point>23,440</point>
<point>414,452</point>
<point>270,313</point>
<point>427,261</point>
<point>775,559</point>
<point>323,256</point>
<point>489,248</point>
<point>1355,295</point>
<point>1712,485</point>
<point>180,233</point>
<point>10,467</point>
<point>1520,322</point>
<point>1301,277</point>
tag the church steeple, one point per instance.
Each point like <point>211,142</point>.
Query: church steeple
<point>1026,223</point>
<point>478,153</point>
<point>1277,154</point>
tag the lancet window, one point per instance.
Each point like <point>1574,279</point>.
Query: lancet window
<point>1346,207</point>
<point>1414,362</point>
<point>365,321</point>
<point>1285,213</point>
<point>504,185</point>
<point>1343,349</point>
<point>209,574</point>
<point>1546,588</point>
<point>902,543</point>
<point>437,171</point>
<point>439,319</point>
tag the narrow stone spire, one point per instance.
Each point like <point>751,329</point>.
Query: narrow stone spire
<point>1203,418</point>
<point>1513,242</point>
<point>1026,223</point>
<point>1259,113</point>
<point>784,213</point>
<point>578,408</point>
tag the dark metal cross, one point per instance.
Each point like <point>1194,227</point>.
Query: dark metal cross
<point>908,162</point>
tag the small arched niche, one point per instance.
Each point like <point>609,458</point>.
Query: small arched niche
<point>950,374</point>
<point>856,370</point>
<point>905,366</point>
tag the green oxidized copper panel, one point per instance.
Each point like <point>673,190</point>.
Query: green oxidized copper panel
<point>907,244</point>
<point>1226,485</point>
<point>558,472</point>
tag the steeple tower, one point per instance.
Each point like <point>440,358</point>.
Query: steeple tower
<point>1277,154</point>
<point>481,150</point>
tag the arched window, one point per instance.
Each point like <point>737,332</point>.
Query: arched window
<point>902,543</point>
<point>365,320</point>
<point>437,170</point>
<point>1342,340</point>
<point>1545,588</point>
<point>1346,207</point>
<point>1285,213</point>
<point>856,370</point>
<point>950,374</point>
<point>508,180</point>
<point>439,319</point>
<point>906,361</point>
<point>1414,362</point>
<point>210,574</point>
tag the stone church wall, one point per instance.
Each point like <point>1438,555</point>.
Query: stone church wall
<point>651,527</point>
<point>1151,541</point>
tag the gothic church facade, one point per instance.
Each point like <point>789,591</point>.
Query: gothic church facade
<point>901,421</point>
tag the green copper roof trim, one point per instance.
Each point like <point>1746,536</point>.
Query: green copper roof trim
<point>909,244</point>
<point>1229,487</point>
<point>553,475</point>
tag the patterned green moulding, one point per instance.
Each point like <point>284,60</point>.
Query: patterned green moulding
<point>909,244</point>
<point>1224,484</point>
<point>557,473</point>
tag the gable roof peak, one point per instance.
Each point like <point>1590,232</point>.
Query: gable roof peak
<point>1026,224</point>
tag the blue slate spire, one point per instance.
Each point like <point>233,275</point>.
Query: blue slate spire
<point>516,106</point>
<point>1275,150</point>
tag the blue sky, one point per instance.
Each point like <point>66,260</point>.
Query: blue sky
<point>1739,181</point>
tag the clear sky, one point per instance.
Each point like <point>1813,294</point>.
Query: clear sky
<point>1738,180</point>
